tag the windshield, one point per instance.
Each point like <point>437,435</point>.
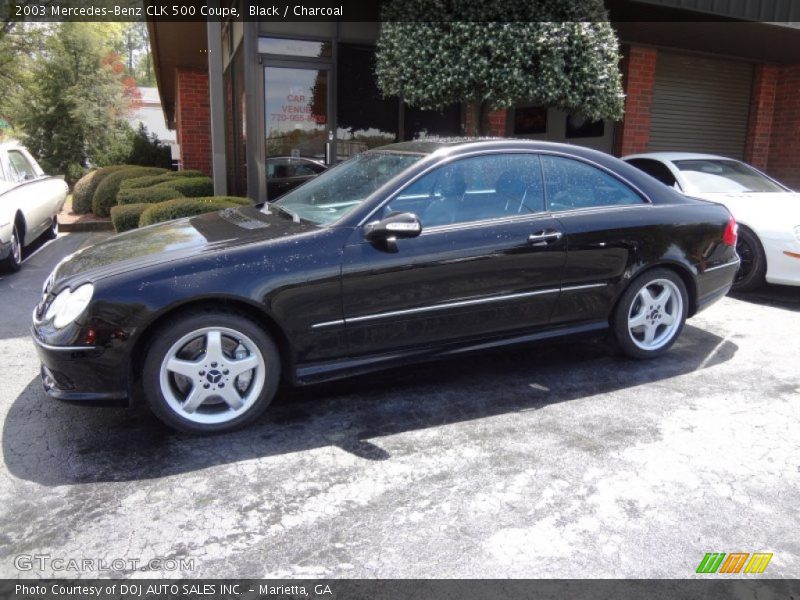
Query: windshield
<point>710,176</point>
<point>330,196</point>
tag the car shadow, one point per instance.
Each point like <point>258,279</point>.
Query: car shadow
<point>776,296</point>
<point>52,443</point>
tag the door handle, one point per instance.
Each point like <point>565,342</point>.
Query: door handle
<point>544,237</point>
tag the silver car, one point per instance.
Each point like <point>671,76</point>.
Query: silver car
<point>29,203</point>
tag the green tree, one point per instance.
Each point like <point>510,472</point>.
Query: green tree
<point>490,55</point>
<point>73,112</point>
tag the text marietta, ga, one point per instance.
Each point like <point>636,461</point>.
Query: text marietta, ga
<point>173,589</point>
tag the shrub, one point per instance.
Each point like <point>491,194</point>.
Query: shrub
<point>146,181</point>
<point>105,196</point>
<point>191,187</point>
<point>147,150</point>
<point>81,198</point>
<point>187,207</point>
<point>84,189</point>
<point>149,195</point>
<point>187,173</point>
<point>127,217</point>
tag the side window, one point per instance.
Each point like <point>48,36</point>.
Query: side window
<point>474,189</point>
<point>22,168</point>
<point>278,168</point>
<point>305,169</point>
<point>572,184</point>
<point>655,169</point>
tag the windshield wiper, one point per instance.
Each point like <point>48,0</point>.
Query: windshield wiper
<point>294,216</point>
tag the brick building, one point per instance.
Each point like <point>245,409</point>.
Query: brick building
<point>242,93</point>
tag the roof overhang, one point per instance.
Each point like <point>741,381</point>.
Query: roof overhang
<point>175,45</point>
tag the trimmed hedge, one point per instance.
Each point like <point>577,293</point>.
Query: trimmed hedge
<point>144,182</point>
<point>149,195</point>
<point>127,217</point>
<point>105,196</point>
<point>188,207</point>
<point>187,173</point>
<point>81,196</point>
<point>85,187</point>
<point>191,187</point>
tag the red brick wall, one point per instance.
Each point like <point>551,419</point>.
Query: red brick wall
<point>784,142</point>
<point>497,122</point>
<point>639,73</point>
<point>193,119</point>
<point>762,108</point>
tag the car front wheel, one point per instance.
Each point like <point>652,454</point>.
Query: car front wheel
<point>651,313</point>
<point>753,266</point>
<point>210,372</point>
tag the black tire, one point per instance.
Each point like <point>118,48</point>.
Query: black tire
<point>753,269</point>
<point>13,261</point>
<point>630,342</point>
<point>52,233</point>
<point>235,328</point>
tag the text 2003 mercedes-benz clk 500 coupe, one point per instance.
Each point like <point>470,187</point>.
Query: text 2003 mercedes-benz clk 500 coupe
<point>412,251</point>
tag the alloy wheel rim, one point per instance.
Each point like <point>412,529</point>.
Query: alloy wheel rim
<point>746,260</point>
<point>54,227</point>
<point>212,375</point>
<point>16,248</point>
<point>655,314</point>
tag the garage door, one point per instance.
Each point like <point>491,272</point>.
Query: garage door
<point>700,105</point>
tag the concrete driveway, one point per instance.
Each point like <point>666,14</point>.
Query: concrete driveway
<point>554,461</point>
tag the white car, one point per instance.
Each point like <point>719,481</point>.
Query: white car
<point>29,203</point>
<point>768,213</point>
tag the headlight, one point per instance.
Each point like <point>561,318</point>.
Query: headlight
<point>69,305</point>
<point>797,233</point>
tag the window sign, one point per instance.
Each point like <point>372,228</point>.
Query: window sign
<point>304,48</point>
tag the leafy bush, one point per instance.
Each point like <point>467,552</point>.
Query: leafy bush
<point>73,173</point>
<point>127,217</point>
<point>106,194</point>
<point>146,181</point>
<point>188,207</point>
<point>191,187</point>
<point>149,195</point>
<point>147,150</point>
<point>84,189</point>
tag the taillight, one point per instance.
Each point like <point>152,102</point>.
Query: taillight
<point>731,230</point>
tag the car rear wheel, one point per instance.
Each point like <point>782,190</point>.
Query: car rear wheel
<point>651,313</point>
<point>753,266</point>
<point>14,260</point>
<point>211,372</point>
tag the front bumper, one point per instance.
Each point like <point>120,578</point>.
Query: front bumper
<point>783,261</point>
<point>82,374</point>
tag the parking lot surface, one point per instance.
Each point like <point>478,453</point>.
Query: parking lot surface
<point>562,460</point>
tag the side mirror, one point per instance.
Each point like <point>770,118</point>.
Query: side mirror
<point>389,229</point>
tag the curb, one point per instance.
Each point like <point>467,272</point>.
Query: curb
<point>92,225</point>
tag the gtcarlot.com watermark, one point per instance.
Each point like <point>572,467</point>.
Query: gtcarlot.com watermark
<point>46,562</point>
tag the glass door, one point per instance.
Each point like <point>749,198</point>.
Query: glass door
<point>299,140</point>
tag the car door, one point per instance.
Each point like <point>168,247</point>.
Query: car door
<point>33,195</point>
<point>607,224</point>
<point>487,263</point>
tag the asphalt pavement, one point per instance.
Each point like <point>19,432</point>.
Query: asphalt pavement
<point>561,460</point>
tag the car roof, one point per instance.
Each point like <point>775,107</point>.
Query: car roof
<point>672,156</point>
<point>459,145</point>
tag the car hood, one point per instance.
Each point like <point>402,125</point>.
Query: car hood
<point>174,240</point>
<point>770,211</point>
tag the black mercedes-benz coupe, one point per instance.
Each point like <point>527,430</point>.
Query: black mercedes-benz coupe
<point>409,252</point>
